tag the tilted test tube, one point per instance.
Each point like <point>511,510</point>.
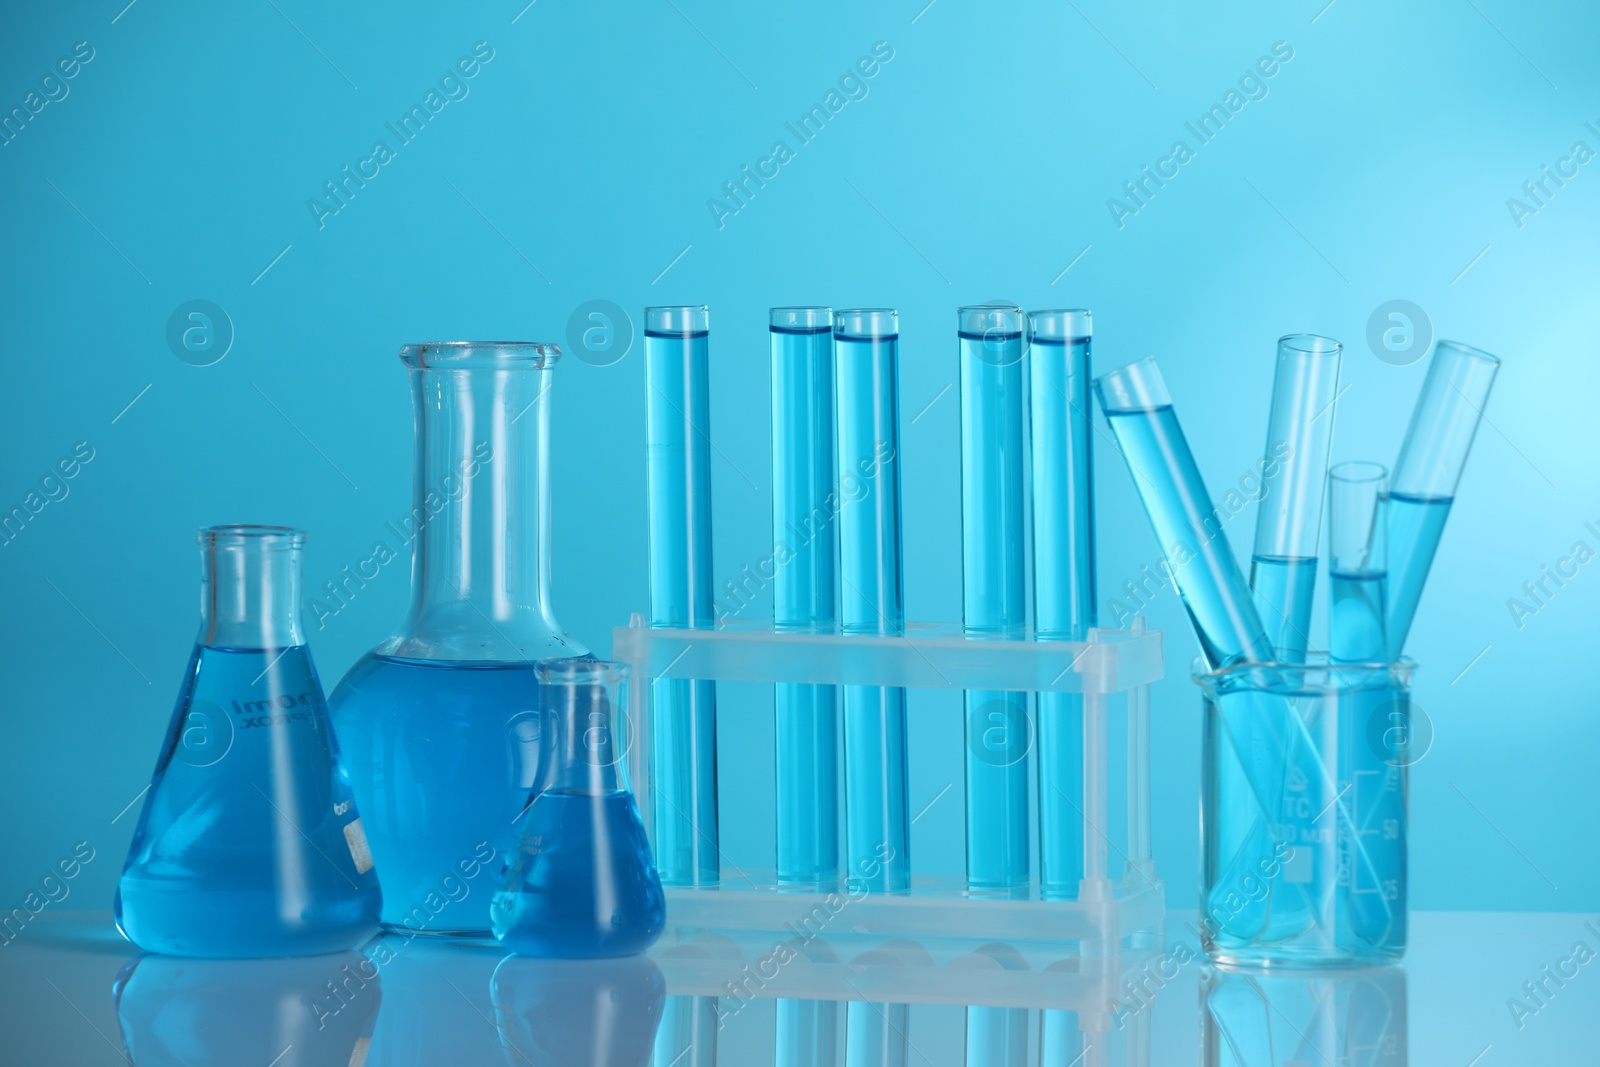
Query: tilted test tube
<point>1428,471</point>
<point>683,734</point>
<point>804,506</point>
<point>866,344</point>
<point>1062,467</point>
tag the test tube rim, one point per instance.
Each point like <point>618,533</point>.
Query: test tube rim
<point>1310,344</point>
<point>874,314</point>
<point>1070,317</point>
<point>825,314</point>
<point>984,333</point>
<point>476,355</point>
<point>698,318</point>
<point>232,535</point>
<point>1370,471</point>
<point>1151,368</point>
<point>1461,349</point>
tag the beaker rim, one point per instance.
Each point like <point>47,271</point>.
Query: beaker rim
<point>580,670</point>
<point>1318,673</point>
<point>472,355</point>
<point>250,533</point>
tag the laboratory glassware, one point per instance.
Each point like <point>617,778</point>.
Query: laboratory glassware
<point>1278,1019</point>
<point>581,883</point>
<point>805,503</point>
<point>249,843</point>
<point>1283,566</point>
<point>439,723</point>
<point>683,734</point>
<point>1358,570</point>
<point>1062,466</point>
<point>1349,865</point>
<point>177,1012</point>
<point>1187,525</point>
<point>994,586</point>
<point>866,346</point>
<point>1426,475</point>
<point>577,1013</point>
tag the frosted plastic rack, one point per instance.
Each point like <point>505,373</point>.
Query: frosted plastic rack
<point>1108,908</point>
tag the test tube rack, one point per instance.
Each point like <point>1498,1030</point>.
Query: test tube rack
<point>1106,910</point>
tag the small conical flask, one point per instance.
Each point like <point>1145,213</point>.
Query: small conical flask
<point>577,1013</point>
<point>581,882</point>
<point>249,843</point>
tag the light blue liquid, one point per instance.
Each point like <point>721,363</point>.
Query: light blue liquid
<point>687,1036</point>
<point>807,1033</point>
<point>997,1037</point>
<point>1063,590</point>
<point>805,507</point>
<point>1372,906</point>
<point>1214,591</point>
<point>1356,631</point>
<point>994,603</point>
<point>1414,526</point>
<point>1060,1038</point>
<point>441,756</point>
<point>876,1034</point>
<point>683,738</point>
<point>1285,588</point>
<point>581,883</point>
<point>248,843</point>
<point>571,1013</point>
<point>877,826</point>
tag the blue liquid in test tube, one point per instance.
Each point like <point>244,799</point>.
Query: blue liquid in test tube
<point>684,716</point>
<point>1063,574</point>
<point>1429,470</point>
<point>1358,497</point>
<point>1283,579</point>
<point>1283,567</point>
<point>804,504</point>
<point>866,345</point>
<point>994,587</point>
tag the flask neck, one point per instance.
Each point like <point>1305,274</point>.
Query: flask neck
<point>580,750</point>
<point>480,517</point>
<point>250,587</point>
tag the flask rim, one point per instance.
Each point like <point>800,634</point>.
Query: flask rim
<point>476,355</point>
<point>235,534</point>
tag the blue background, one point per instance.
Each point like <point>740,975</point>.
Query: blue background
<point>979,165</point>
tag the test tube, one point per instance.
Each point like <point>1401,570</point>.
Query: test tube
<point>994,587</point>
<point>1357,562</point>
<point>1428,471</point>
<point>1283,567</point>
<point>1062,465</point>
<point>684,716</point>
<point>804,505</point>
<point>1139,411</point>
<point>866,345</point>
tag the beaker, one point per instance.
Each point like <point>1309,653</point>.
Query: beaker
<point>1335,827</point>
<point>440,723</point>
<point>1326,1017</point>
<point>581,882</point>
<point>249,843</point>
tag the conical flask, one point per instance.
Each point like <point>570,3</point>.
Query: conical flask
<point>582,882</point>
<point>249,843</point>
<point>439,723</point>
<point>577,1013</point>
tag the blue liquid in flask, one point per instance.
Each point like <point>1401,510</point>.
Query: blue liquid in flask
<point>581,882</point>
<point>444,754</point>
<point>249,843</point>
